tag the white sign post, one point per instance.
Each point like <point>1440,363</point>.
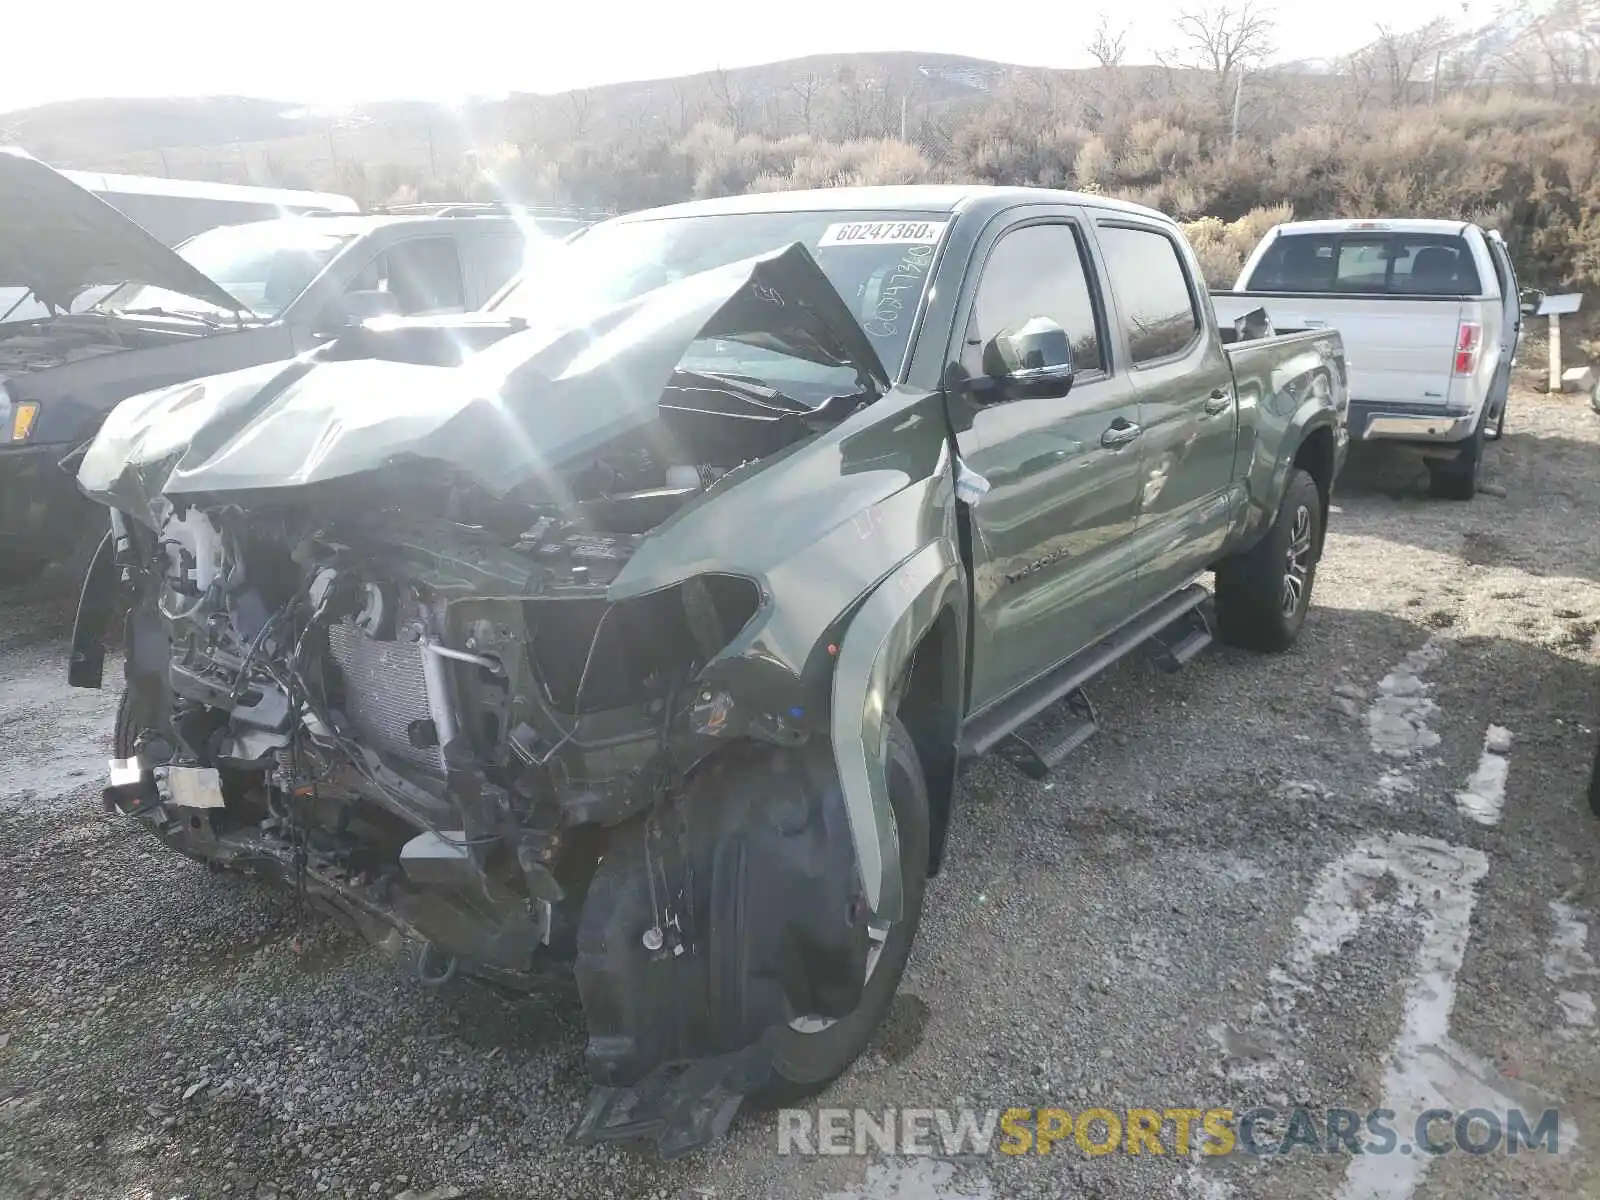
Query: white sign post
<point>1555,307</point>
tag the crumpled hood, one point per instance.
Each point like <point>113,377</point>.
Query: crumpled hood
<point>72,240</point>
<point>521,408</point>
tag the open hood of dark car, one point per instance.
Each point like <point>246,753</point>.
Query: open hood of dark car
<point>58,239</point>
<point>526,404</point>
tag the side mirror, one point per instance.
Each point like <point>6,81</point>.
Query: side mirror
<point>1029,360</point>
<point>351,309</point>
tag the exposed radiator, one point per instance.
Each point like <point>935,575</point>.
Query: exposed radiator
<point>385,690</point>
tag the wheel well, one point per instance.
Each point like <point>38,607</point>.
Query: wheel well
<point>1315,458</point>
<point>929,706</point>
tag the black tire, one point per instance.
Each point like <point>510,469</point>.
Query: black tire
<point>1499,429</point>
<point>1457,478</point>
<point>806,1063</point>
<point>126,731</point>
<point>1253,588</point>
<point>1594,781</point>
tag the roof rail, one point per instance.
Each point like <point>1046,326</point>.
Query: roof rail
<point>487,208</point>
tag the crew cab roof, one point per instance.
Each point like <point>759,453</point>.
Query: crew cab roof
<point>925,198</point>
<point>361,224</point>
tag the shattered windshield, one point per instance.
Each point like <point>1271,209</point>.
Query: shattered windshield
<point>265,266</point>
<point>878,262</point>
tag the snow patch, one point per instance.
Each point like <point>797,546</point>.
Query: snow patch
<point>1567,960</point>
<point>918,1179</point>
<point>1397,722</point>
<point>1485,793</point>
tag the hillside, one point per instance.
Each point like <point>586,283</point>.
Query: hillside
<point>239,139</point>
<point>1496,124</point>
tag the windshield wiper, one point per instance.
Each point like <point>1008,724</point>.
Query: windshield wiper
<point>753,389</point>
<point>208,322</point>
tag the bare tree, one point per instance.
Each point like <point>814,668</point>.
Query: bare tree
<point>1223,40</point>
<point>854,101</point>
<point>726,96</point>
<point>578,104</point>
<point>686,99</point>
<point>805,90</point>
<point>1568,37</point>
<point>1403,62</point>
<point>1109,45</point>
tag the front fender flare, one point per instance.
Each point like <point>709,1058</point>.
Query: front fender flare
<point>876,648</point>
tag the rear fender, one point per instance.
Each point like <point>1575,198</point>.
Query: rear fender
<point>876,652</point>
<point>1288,388</point>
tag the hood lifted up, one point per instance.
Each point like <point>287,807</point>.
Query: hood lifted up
<point>75,240</point>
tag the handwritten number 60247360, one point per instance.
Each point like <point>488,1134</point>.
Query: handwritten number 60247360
<point>884,319</point>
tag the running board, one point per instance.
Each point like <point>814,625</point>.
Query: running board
<point>1042,745</point>
<point>988,728</point>
<point>1181,641</point>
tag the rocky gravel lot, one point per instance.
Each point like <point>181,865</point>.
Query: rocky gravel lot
<point>1300,879</point>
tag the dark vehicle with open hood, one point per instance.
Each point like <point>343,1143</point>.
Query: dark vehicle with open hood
<point>635,628</point>
<point>228,298</point>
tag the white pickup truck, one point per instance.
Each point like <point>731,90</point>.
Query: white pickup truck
<point>1430,316</point>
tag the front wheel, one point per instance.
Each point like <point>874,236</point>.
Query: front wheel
<point>811,1052</point>
<point>1263,594</point>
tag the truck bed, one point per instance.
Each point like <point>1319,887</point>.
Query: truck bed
<point>1402,347</point>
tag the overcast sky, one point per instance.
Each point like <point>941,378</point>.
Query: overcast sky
<point>331,52</point>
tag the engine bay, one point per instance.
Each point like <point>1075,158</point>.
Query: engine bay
<point>420,702</point>
<point>424,641</point>
<point>32,346</point>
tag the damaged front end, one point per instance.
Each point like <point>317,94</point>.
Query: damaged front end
<point>391,654</point>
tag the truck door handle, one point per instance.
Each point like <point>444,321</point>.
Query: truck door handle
<point>1120,434</point>
<point>1218,402</point>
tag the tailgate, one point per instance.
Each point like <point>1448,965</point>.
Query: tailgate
<point>1398,351</point>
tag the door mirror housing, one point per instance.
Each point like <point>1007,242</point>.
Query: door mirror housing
<point>1030,360</point>
<point>353,308</point>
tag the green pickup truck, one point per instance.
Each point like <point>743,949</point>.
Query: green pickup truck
<point>635,627</point>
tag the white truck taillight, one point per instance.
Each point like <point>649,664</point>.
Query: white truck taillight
<point>1469,336</point>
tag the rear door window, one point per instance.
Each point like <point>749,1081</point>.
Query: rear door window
<point>1396,264</point>
<point>1152,291</point>
<point>493,259</point>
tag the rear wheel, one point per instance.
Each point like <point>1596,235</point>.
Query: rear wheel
<point>1594,781</point>
<point>811,1052</point>
<point>1263,594</point>
<point>1457,478</point>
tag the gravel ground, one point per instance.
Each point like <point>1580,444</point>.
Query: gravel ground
<point>1258,886</point>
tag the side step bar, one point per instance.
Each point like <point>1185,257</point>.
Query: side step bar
<point>1040,746</point>
<point>988,729</point>
<point>1182,640</point>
